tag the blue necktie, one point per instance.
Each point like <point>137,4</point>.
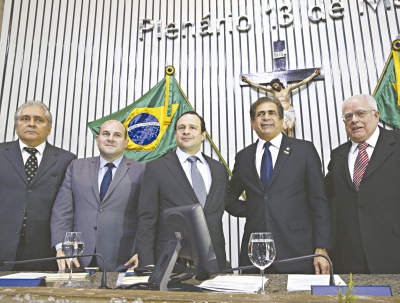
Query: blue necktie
<point>266,166</point>
<point>197,181</point>
<point>106,180</point>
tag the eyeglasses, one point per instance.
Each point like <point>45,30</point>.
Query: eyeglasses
<point>359,113</point>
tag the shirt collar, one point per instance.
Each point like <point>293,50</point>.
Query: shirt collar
<point>182,156</point>
<point>116,162</point>
<point>276,142</point>
<point>40,148</point>
<point>371,141</point>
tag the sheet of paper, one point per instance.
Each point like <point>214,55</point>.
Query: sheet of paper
<point>24,275</point>
<point>128,279</point>
<point>304,282</point>
<point>79,276</point>
<point>234,283</point>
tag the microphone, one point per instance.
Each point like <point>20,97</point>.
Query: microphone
<point>103,284</point>
<point>331,279</point>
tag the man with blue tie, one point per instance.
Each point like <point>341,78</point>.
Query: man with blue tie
<point>99,197</point>
<point>284,187</point>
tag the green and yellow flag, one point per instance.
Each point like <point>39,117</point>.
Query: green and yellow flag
<point>150,120</point>
<point>387,91</point>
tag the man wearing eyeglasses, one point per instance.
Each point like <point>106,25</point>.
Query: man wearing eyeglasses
<point>362,185</point>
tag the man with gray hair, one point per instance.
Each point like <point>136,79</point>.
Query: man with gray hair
<point>362,186</point>
<point>31,173</point>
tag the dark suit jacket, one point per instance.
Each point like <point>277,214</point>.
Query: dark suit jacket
<point>109,225</point>
<point>293,207</point>
<point>16,195</point>
<point>165,185</point>
<point>367,221</point>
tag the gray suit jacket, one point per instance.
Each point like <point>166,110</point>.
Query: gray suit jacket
<point>165,185</point>
<point>110,225</point>
<point>16,195</point>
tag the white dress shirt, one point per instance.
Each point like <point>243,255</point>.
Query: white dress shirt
<point>353,152</point>
<point>274,149</point>
<point>25,155</point>
<point>202,166</point>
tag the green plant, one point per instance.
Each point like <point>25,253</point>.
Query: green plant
<point>350,294</point>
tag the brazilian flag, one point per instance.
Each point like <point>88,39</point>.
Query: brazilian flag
<point>387,91</point>
<point>150,120</point>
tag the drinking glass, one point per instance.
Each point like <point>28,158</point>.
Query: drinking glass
<point>72,245</point>
<point>262,252</point>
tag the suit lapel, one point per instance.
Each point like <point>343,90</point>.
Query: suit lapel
<point>284,153</point>
<point>175,167</point>
<point>382,150</point>
<point>343,163</point>
<point>50,157</point>
<point>94,176</point>
<point>214,182</point>
<point>14,155</point>
<point>119,174</point>
<point>251,158</point>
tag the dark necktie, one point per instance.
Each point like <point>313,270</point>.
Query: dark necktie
<point>266,166</point>
<point>360,165</point>
<point>105,184</point>
<point>197,181</point>
<point>31,165</point>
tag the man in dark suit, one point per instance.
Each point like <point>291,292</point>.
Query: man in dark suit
<point>168,183</point>
<point>362,185</point>
<point>99,197</point>
<point>31,173</point>
<point>284,188</point>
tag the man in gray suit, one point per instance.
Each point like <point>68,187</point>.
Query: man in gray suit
<point>31,173</point>
<point>167,183</point>
<point>99,197</point>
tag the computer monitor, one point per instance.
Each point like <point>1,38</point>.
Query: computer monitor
<point>187,229</point>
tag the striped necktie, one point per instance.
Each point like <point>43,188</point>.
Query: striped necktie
<point>360,165</point>
<point>197,181</point>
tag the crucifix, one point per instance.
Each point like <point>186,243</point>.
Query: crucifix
<point>276,80</point>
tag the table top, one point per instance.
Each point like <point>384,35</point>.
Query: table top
<point>275,291</point>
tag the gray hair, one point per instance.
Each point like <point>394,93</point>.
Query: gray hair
<point>34,103</point>
<point>371,101</point>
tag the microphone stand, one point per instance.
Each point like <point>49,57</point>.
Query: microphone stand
<point>103,284</point>
<point>331,279</point>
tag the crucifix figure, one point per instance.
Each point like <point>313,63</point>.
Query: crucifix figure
<point>277,88</point>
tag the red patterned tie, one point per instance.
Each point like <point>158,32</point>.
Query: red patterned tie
<point>360,165</point>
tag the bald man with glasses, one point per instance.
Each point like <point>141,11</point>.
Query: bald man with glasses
<point>362,186</point>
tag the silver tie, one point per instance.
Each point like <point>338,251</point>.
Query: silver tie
<point>197,181</point>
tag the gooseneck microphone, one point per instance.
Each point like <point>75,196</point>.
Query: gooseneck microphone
<point>103,284</point>
<point>331,279</point>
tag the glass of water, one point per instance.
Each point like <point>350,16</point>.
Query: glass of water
<point>262,252</point>
<point>72,246</point>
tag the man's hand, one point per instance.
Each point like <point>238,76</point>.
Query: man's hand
<point>317,72</point>
<point>61,262</point>
<point>244,79</point>
<point>133,261</point>
<point>321,265</point>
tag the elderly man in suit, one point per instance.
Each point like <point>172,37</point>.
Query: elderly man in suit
<point>31,173</point>
<point>362,185</point>
<point>168,182</point>
<point>284,187</point>
<point>99,197</point>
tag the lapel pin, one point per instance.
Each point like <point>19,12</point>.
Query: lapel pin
<point>287,150</point>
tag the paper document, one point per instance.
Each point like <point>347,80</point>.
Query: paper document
<point>24,275</point>
<point>233,283</point>
<point>304,282</point>
<point>79,276</point>
<point>130,277</point>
